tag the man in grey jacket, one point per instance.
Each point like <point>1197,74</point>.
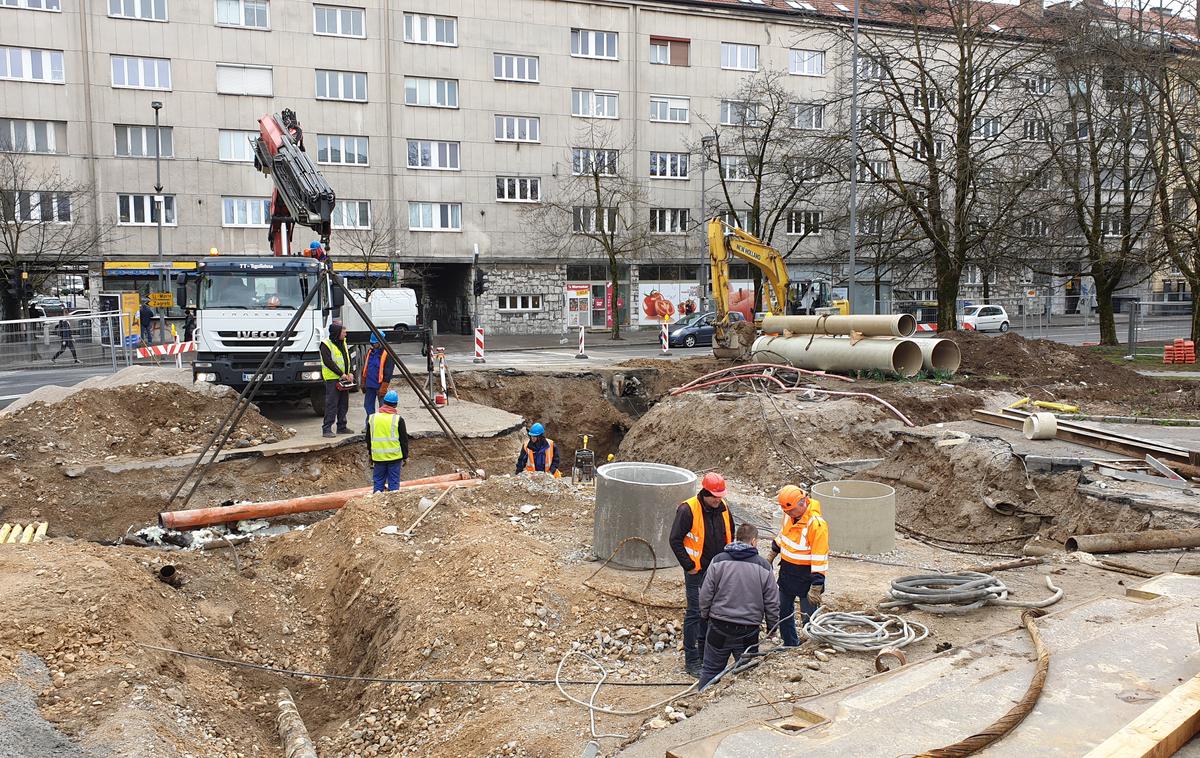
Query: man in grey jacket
<point>738,593</point>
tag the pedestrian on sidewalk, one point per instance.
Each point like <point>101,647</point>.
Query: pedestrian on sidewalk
<point>335,371</point>
<point>68,340</point>
<point>739,593</point>
<point>377,370</point>
<point>189,324</point>
<point>803,544</point>
<point>703,527</point>
<point>387,441</point>
<point>146,316</point>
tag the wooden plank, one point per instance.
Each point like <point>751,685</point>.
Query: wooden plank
<point>1162,728</point>
<point>1135,476</point>
<point>1113,444</point>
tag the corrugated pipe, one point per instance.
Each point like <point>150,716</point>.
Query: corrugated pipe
<point>898,356</point>
<point>899,325</point>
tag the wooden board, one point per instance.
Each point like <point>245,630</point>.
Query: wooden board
<point>1161,730</point>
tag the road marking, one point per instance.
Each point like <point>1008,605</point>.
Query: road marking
<point>11,397</point>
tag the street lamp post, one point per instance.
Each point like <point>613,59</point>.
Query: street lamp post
<point>707,142</point>
<point>852,281</point>
<point>159,207</point>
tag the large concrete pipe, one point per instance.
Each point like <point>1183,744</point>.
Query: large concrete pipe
<point>900,356</point>
<point>861,515</point>
<point>938,354</point>
<point>1134,542</point>
<point>639,500</point>
<point>899,325</point>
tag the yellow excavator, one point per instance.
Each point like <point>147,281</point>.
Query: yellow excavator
<point>780,298</point>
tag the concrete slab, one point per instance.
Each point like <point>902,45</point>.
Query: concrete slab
<point>1111,658</point>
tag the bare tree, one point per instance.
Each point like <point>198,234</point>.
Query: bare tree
<point>379,244</point>
<point>601,209</point>
<point>47,222</point>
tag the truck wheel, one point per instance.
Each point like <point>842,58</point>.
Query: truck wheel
<point>316,397</point>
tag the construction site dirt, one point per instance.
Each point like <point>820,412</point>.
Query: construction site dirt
<point>446,641</point>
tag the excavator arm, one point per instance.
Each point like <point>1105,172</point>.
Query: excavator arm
<point>726,242</point>
<point>302,195</point>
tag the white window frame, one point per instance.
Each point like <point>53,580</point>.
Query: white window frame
<point>27,207</point>
<point>587,155</point>
<point>242,70</point>
<point>147,206</point>
<point>670,105</point>
<point>27,129</point>
<point>230,138</point>
<point>50,6</point>
<point>1038,84</point>
<point>662,51</point>
<point>1035,130</point>
<point>584,44</point>
<point>730,108</point>
<point>518,189</point>
<point>504,62</point>
<point>583,220</point>
<point>341,20</point>
<point>736,168</point>
<point>871,68</point>
<point>920,153</point>
<point>800,221</point>
<point>593,103</point>
<point>531,125</point>
<point>870,225</point>
<point>240,212</point>
<point>425,29</point>
<point>428,92</point>
<point>669,165</point>
<point>360,208</point>
<point>1035,228</point>
<point>22,60</point>
<point>1112,225</point>
<point>739,56</point>
<point>815,120</point>
<point>669,221</point>
<point>804,62</point>
<point>986,127</point>
<point>518,303</point>
<point>440,152</point>
<point>340,77</point>
<point>136,10</point>
<point>125,60</point>
<point>242,23</point>
<point>327,143</point>
<point>873,170</point>
<point>143,136</point>
<point>451,212</point>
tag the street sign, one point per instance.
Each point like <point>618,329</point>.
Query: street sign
<point>161,300</point>
<point>161,264</point>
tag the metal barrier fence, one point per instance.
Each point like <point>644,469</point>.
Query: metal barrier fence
<point>94,339</point>
<point>1032,317</point>
<point>1154,324</point>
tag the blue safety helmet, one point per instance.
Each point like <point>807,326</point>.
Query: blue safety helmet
<point>391,398</point>
<point>537,430</point>
<point>374,339</point>
<point>314,245</point>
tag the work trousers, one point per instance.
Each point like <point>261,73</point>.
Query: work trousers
<point>337,403</point>
<point>370,396</point>
<point>67,345</point>
<point>695,628</point>
<point>725,639</point>
<point>387,475</point>
<point>147,341</point>
<point>793,585</point>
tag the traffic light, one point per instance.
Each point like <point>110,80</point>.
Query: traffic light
<point>26,287</point>
<point>480,282</point>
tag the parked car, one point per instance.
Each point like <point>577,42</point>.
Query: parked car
<point>696,329</point>
<point>986,317</point>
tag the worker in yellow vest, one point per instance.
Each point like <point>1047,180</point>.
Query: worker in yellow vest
<point>803,546</point>
<point>703,527</point>
<point>339,380</point>
<point>387,439</point>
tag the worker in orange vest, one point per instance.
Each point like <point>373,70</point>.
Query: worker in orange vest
<point>803,546</point>
<point>377,370</point>
<point>540,454</point>
<point>703,527</point>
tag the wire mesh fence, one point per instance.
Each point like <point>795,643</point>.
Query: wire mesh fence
<point>92,339</point>
<point>1156,324</point>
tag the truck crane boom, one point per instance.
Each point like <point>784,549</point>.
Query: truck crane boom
<point>302,195</point>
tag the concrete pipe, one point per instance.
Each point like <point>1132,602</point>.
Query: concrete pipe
<point>901,356</point>
<point>639,500</point>
<point>899,325</point>
<point>1040,426</point>
<point>937,354</point>
<point>861,515</point>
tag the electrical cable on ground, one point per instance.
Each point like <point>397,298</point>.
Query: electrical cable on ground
<point>959,592</point>
<point>653,571</point>
<point>861,632</point>
<point>591,706</point>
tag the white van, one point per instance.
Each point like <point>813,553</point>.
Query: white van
<point>393,308</point>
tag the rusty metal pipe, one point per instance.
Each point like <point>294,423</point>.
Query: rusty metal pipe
<point>1133,542</point>
<point>168,574</point>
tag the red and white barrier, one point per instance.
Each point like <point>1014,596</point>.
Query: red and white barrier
<point>581,353</point>
<point>171,348</point>
<point>664,339</point>
<point>479,346</point>
<point>934,328</point>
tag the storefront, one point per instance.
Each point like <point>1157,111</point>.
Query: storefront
<point>589,296</point>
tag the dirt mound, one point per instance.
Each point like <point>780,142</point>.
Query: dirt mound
<point>673,373</point>
<point>136,374</point>
<point>152,420</point>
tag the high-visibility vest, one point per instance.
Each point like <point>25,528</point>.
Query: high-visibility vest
<point>547,462</point>
<point>383,357</point>
<point>806,542</point>
<point>339,360</point>
<point>693,541</point>
<point>385,437</point>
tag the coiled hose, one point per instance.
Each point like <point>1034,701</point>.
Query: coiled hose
<point>860,632</point>
<point>959,593</point>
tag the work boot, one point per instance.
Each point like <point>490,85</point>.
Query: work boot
<point>328,434</point>
<point>344,431</point>
<point>693,668</point>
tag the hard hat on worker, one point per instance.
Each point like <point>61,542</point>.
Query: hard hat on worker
<point>374,339</point>
<point>714,483</point>
<point>791,496</point>
<point>391,398</point>
<point>537,430</point>
<point>314,245</point>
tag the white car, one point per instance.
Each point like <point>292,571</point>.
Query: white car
<point>985,317</point>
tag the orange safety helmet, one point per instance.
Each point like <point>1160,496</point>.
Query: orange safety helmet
<point>791,496</point>
<point>714,483</point>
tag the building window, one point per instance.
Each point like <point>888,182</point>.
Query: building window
<point>1038,85</point>
<point>421,29</point>
<point>341,149</point>
<point>518,129</point>
<point>24,135</point>
<point>738,112</point>
<point>735,168</point>
<point>518,189</point>
<point>739,57</point>
<point>437,156</point>
<point>1113,226</point>
<point>668,220</point>
<point>35,207</point>
<point>871,67</point>
<point>804,169</point>
<point>669,165</point>
<point>585,219</point>
<point>141,73</point>
<point>985,127</point>
<point>872,171</point>
<point>245,211</point>
<point>434,217</point>
<point>341,85</point>
<point>1036,130</point>
<point>808,116</point>
<point>672,109</point>
<point>431,93</point>
<point>1037,179</point>
<point>351,214</point>
<point>920,151</point>
<point>874,120</point>
<point>804,223</point>
<point>33,5</point>
<point>515,68</point>
<point>669,51</point>
<point>235,145</point>
<point>586,43</point>
<point>930,97</point>
<point>806,62</point>
<point>138,141</point>
<point>30,65</point>
<point>142,10</point>
<point>252,14</point>
<point>336,21</point>
<point>870,225</point>
<point>598,162</point>
<point>984,79</point>
<point>140,210</point>
<point>245,80</point>
<point>589,103</point>
<point>512,303</point>
<point>1035,227</point>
